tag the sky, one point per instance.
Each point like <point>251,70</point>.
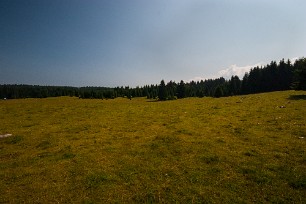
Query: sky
<point>140,42</point>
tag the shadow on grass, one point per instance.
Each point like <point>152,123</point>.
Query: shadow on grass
<point>297,97</point>
<point>154,100</point>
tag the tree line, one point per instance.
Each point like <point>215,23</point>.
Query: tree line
<point>271,77</point>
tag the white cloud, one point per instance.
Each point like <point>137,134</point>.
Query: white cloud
<point>293,59</point>
<point>237,70</point>
<point>233,70</point>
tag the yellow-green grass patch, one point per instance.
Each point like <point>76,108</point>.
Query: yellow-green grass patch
<point>239,149</point>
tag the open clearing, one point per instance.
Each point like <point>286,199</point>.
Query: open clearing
<point>238,149</point>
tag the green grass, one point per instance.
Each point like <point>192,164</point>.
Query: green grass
<point>242,149</point>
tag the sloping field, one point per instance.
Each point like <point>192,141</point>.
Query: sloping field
<point>238,149</point>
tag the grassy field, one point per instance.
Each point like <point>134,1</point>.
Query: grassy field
<point>240,149</point>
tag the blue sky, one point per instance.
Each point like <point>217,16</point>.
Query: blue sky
<point>139,42</point>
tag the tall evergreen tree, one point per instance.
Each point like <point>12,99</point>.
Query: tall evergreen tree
<point>245,84</point>
<point>234,85</point>
<point>162,91</point>
<point>181,90</point>
<point>218,92</point>
<point>300,74</point>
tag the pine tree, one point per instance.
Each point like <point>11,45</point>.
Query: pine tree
<point>181,90</point>
<point>300,74</point>
<point>218,92</point>
<point>234,85</point>
<point>162,92</point>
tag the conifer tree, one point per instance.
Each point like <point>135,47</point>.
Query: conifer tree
<point>300,74</point>
<point>181,90</point>
<point>218,92</point>
<point>162,92</point>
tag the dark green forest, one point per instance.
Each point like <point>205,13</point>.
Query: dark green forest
<point>271,77</point>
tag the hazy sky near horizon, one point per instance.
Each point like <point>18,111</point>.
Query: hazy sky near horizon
<point>139,42</point>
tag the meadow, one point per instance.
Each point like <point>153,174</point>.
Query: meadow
<point>241,149</point>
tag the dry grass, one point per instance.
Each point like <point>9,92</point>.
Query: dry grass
<point>238,149</point>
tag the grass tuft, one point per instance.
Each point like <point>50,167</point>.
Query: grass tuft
<point>94,180</point>
<point>14,139</point>
<point>210,159</point>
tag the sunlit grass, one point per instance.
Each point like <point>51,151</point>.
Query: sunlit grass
<point>235,149</point>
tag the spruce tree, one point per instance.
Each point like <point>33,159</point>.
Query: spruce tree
<point>181,90</point>
<point>218,92</point>
<point>300,74</point>
<point>162,92</point>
